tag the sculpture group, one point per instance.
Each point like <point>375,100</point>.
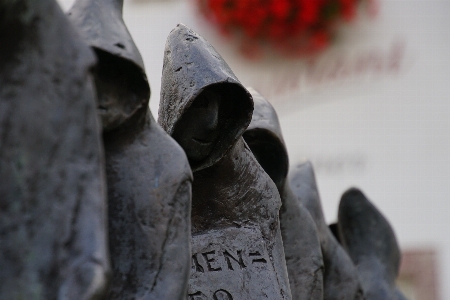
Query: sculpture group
<point>99,201</point>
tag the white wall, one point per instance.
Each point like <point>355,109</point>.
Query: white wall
<point>385,128</point>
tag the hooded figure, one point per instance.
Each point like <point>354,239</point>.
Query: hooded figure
<point>52,182</point>
<point>148,175</point>
<point>237,246</point>
<point>300,239</point>
<point>371,244</point>
<point>340,278</point>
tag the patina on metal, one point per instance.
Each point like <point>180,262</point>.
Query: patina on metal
<point>148,175</point>
<point>371,243</point>
<point>340,275</point>
<point>237,247</point>
<point>300,238</point>
<point>52,182</point>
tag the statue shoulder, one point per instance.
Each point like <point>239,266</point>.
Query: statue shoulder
<point>169,153</point>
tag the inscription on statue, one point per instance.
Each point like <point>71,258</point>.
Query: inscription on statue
<point>231,264</point>
<point>216,261</point>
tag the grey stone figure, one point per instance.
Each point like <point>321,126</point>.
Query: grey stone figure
<point>341,280</point>
<point>370,241</point>
<point>237,247</point>
<point>300,238</point>
<point>53,242</point>
<point>148,175</point>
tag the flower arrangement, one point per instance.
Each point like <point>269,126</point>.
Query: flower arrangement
<point>293,27</point>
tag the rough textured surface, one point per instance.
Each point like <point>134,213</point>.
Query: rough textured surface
<point>149,179</point>
<point>234,201</point>
<point>300,239</point>
<point>186,74</point>
<point>226,259</point>
<point>237,193</point>
<point>100,22</point>
<point>52,190</point>
<point>370,241</point>
<point>340,275</point>
<point>149,193</point>
<point>121,72</point>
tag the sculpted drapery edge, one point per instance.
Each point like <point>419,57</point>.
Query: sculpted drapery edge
<point>235,206</point>
<point>52,187</point>
<point>300,238</point>
<point>148,175</point>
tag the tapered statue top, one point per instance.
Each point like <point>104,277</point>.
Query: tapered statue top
<point>371,243</point>
<point>341,280</point>
<point>122,85</point>
<point>300,238</point>
<point>264,137</point>
<point>101,26</point>
<point>236,244</point>
<point>149,179</point>
<point>193,69</point>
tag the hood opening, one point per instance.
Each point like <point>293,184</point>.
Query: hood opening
<point>234,115</point>
<point>270,153</point>
<point>122,80</point>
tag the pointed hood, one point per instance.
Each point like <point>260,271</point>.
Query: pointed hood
<point>303,183</point>
<point>265,139</point>
<point>301,243</point>
<point>341,279</point>
<point>191,67</point>
<point>101,25</point>
<point>371,243</point>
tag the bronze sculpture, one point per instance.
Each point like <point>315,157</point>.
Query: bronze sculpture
<point>237,247</point>
<point>340,275</point>
<point>148,175</point>
<point>300,239</point>
<point>370,241</point>
<point>52,187</point>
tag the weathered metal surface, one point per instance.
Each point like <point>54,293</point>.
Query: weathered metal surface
<point>206,109</point>
<point>300,238</point>
<point>52,181</point>
<point>232,260</point>
<point>190,65</point>
<point>122,85</point>
<point>148,175</point>
<point>370,241</point>
<point>340,275</point>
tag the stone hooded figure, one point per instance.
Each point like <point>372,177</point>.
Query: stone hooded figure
<point>237,246</point>
<point>148,175</point>
<point>300,239</point>
<point>340,275</point>
<point>370,241</point>
<point>53,240</point>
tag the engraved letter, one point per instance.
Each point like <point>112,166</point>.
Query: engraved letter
<point>260,259</point>
<point>197,296</point>
<point>227,256</point>
<point>196,265</point>
<point>222,295</point>
<point>210,260</point>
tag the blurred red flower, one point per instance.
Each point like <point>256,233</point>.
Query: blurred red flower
<point>294,27</point>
